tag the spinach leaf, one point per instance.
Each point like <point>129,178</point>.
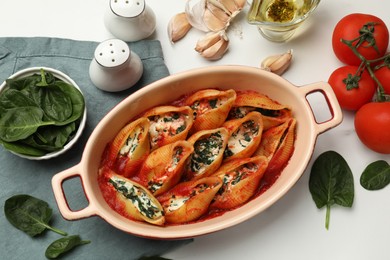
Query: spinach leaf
<point>29,214</point>
<point>376,175</point>
<point>39,114</point>
<point>51,138</point>
<point>64,245</point>
<point>331,182</point>
<point>24,82</point>
<point>19,123</point>
<point>56,106</point>
<point>77,99</point>
<point>12,98</point>
<point>20,148</point>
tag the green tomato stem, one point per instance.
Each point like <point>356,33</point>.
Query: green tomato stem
<point>327,218</point>
<point>380,93</point>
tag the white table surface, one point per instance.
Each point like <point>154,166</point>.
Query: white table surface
<point>293,228</point>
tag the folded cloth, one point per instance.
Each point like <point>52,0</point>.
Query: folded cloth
<point>22,176</point>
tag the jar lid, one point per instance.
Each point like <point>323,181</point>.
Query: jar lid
<point>112,53</point>
<point>127,8</point>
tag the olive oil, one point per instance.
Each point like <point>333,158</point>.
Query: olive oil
<point>278,19</point>
<point>281,11</point>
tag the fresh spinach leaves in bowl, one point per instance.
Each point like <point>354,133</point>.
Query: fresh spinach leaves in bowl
<point>42,113</point>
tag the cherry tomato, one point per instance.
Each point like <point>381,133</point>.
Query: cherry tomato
<point>383,75</point>
<point>348,29</point>
<point>352,99</point>
<point>372,125</point>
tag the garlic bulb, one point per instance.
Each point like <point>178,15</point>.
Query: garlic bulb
<point>212,15</point>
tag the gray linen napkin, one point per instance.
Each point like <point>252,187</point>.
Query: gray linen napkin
<point>21,176</point>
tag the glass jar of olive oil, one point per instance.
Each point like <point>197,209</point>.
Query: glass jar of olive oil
<point>277,20</point>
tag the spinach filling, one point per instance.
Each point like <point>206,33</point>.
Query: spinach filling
<point>205,151</point>
<point>138,197</point>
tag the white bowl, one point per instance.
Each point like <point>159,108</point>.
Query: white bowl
<point>171,88</point>
<point>62,76</point>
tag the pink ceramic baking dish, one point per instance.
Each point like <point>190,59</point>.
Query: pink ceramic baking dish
<point>171,88</point>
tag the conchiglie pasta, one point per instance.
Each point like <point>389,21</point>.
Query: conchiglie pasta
<point>190,200</point>
<point>240,180</point>
<point>204,154</point>
<point>273,113</point>
<point>211,108</point>
<point>134,200</point>
<point>209,147</point>
<point>164,166</point>
<point>168,124</point>
<point>244,136</point>
<point>274,139</point>
<point>130,147</point>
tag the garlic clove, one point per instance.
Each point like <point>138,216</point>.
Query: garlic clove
<point>213,46</point>
<point>195,10</point>
<point>218,12</point>
<point>228,5</point>
<point>240,3</point>
<point>207,41</point>
<point>277,64</point>
<point>212,22</point>
<point>178,27</point>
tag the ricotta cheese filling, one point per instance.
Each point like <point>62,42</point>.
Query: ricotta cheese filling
<point>241,138</point>
<point>132,142</point>
<point>203,105</point>
<point>169,124</point>
<point>176,202</point>
<point>232,178</point>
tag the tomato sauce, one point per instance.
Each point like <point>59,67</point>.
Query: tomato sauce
<point>109,193</point>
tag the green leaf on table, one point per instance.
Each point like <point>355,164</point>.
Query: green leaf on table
<point>376,175</point>
<point>331,182</point>
<point>29,214</point>
<point>63,245</point>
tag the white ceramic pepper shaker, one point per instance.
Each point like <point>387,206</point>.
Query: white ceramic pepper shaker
<point>115,67</point>
<point>130,20</point>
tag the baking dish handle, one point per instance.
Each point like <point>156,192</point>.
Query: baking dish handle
<point>60,197</point>
<point>335,110</point>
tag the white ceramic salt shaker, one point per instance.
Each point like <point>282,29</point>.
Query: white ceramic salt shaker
<point>115,67</point>
<point>130,20</point>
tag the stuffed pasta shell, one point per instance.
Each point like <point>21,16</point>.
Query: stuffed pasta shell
<point>133,200</point>
<point>130,147</point>
<point>273,113</point>
<point>277,145</point>
<point>164,166</point>
<point>188,201</point>
<point>209,147</point>
<point>244,136</point>
<point>211,108</point>
<point>240,181</point>
<point>168,124</point>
